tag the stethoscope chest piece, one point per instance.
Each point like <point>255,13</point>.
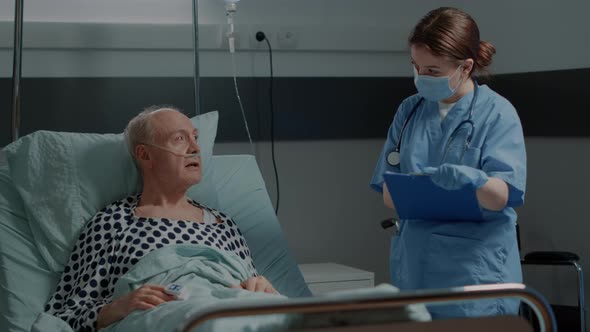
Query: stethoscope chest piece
<point>393,158</point>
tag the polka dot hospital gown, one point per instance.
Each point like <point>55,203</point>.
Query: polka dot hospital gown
<point>113,241</point>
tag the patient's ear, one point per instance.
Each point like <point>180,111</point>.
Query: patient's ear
<point>141,153</point>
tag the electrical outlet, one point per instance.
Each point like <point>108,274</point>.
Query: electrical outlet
<point>287,39</point>
<point>254,43</point>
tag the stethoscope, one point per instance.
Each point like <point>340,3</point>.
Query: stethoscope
<point>394,157</point>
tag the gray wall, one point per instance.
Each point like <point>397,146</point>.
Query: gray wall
<point>556,213</point>
<point>327,210</point>
<point>530,35</point>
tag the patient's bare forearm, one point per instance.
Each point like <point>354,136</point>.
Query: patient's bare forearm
<point>103,319</point>
<point>143,298</point>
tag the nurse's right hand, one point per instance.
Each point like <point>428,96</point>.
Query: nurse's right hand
<point>454,177</point>
<point>387,197</point>
<point>143,298</point>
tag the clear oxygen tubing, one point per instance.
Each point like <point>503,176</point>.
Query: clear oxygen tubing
<point>185,155</point>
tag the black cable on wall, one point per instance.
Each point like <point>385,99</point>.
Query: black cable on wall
<point>260,36</point>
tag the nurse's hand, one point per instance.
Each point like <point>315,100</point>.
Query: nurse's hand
<point>387,197</point>
<point>453,177</point>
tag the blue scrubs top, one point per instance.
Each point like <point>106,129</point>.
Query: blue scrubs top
<point>433,254</point>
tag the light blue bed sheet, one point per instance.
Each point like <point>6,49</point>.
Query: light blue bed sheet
<point>252,210</point>
<point>26,282</point>
<point>25,279</point>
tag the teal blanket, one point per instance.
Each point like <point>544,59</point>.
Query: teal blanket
<point>207,274</point>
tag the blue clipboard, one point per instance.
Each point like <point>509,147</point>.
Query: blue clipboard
<point>416,197</point>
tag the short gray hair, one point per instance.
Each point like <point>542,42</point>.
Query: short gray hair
<point>140,129</point>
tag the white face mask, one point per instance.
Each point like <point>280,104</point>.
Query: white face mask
<point>435,88</point>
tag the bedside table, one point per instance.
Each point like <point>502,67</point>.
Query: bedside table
<point>327,277</point>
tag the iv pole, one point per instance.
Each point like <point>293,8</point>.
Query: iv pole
<point>196,75</point>
<point>16,67</point>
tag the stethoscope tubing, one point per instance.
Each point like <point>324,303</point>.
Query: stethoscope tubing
<point>394,156</point>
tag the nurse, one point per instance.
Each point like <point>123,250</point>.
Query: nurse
<point>465,134</point>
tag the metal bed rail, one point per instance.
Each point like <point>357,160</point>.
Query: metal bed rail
<point>535,300</point>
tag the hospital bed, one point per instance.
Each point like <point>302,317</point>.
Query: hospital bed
<point>51,183</point>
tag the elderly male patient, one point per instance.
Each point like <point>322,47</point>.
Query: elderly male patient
<point>164,144</point>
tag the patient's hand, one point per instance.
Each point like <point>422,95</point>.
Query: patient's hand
<point>143,298</point>
<point>257,284</point>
